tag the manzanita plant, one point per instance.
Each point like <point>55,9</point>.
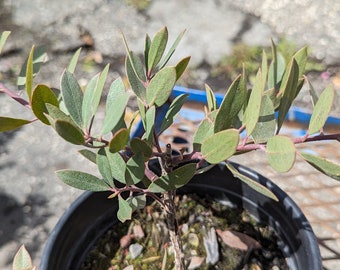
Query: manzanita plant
<point>123,160</point>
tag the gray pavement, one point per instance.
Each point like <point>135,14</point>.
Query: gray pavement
<point>32,198</point>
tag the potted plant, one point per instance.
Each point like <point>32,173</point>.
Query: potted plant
<point>136,167</point>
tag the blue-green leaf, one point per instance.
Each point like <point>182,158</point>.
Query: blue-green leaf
<point>157,48</point>
<point>220,146</point>
<point>104,166</point>
<point>160,87</point>
<point>72,97</point>
<point>174,179</point>
<point>82,180</point>
<point>92,95</point>
<point>173,110</point>
<point>73,63</point>
<point>125,210</point>
<point>116,102</point>
<point>250,182</point>
<point>3,38</point>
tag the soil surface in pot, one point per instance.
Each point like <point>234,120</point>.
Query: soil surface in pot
<point>214,236</point>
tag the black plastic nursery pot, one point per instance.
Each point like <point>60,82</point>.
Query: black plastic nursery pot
<point>92,214</point>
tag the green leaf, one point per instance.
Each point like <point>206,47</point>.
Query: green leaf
<point>181,66</point>
<point>147,44</point>
<point>56,114</point>
<point>125,210</point>
<point>173,110</point>
<point>73,63</point>
<point>172,50</point>
<point>288,91</point>
<point>88,155</point>
<point>266,125</point>
<point>72,97</point>
<point>92,95</point>
<point>116,102</point>
<point>323,165</point>
<point>42,94</point>
<point>137,202</point>
<point>157,48</point>
<point>135,168</point>
<point>82,180</point>
<point>204,130</point>
<point>29,74</point>
<point>211,99</point>
<point>69,132</point>
<point>301,60</point>
<point>119,140</point>
<point>8,123</point>
<point>22,260</point>
<point>117,165</point>
<point>3,38</point>
<point>104,167</point>
<point>150,124</point>
<point>140,146</point>
<point>174,179</point>
<point>264,68</point>
<point>220,146</point>
<point>38,56</point>
<point>160,87</point>
<point>250,182</point>
<point>137,86</point>
<point>321,110</point>
<point>312,92</point>
<point>276,69</point>
<point>252,112</point>
<point>231,105</point>
<point>281,153</point>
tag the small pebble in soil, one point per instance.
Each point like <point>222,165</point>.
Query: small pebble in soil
<point>211,247</point>
<point>135,250</point>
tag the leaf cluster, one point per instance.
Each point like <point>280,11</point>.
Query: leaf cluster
<point>250,117</point>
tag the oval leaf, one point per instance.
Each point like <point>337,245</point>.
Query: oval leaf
<point>220,146</point>
<point>119,140</point>
<point>160,87</point>
<point>82,180</point>
<point>321,110</point>
<point>141,146</point>
<point>125,210</point>
<point>281,153</point>
<point>173,110</point>
<point>181,66</point>
<point>231,104</point>
<point>252,112</point>
<point>73,63</point>
<point>137,86</point>
<point>288,91</point>
<point>135,169</point>
<point>42,94</point>
<point>104,166</point>
<point>116,102</point>
<point>117,165</point>
<point>204,130</point>
<point>8,123</point>
<point>174,179</point>
<point>22,260</point>
<point>157,48</point>
<point>323,165</point>
<point>72,97</point>
<point>266,125</point>
<point>250,182</point>
<point>69,132</point>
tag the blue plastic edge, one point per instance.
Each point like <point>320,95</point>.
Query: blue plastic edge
<point>295,113</point>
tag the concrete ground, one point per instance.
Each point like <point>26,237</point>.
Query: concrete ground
<point>32,198</point>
